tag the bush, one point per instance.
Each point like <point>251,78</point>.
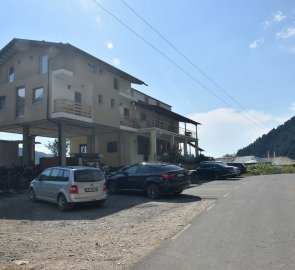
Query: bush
<point>263,168</point>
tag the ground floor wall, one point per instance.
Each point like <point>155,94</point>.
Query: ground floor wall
<point>8,154</point>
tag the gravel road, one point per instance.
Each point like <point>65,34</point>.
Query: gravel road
<point>114,236</point>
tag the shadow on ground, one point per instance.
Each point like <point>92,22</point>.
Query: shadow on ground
<point>18,207</point>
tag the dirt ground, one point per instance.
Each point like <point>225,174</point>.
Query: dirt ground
<point>114,236</point>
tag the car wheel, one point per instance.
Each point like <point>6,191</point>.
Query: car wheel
<point>113,188</point>
<point>32,195</point>
<point>153,191</point>
<point>62,203</point>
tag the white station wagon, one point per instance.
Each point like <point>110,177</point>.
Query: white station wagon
<point>67,186</point>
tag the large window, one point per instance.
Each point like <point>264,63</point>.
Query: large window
<point>2,102</point>
<point>112,147</point>
<point>20,101</point>
<point>43,64</point>
<point>38,95</point>
<point>10,77</point>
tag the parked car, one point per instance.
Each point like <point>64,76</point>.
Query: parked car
<point>68,186</point>
<point>241,166</point>
<point>212,170</point>
<point>236,170</point>
<point>152,178</point>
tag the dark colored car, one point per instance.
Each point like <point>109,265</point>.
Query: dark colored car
<point>212,170</point>
<point>241,166</point>
<point>152,178</point>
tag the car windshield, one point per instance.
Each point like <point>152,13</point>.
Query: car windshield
<point>166,168</point>
<point>88,175</point>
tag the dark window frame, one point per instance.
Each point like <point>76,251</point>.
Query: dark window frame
<point>112,147</point>
<point>2,107</point>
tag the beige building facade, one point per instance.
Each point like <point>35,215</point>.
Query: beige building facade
<point>57,90</point>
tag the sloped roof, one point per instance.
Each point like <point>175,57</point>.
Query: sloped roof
<point>250,160</point>
<point>282,161</point>
<point>16,45</point>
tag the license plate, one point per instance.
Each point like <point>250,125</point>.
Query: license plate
<point>180,175</point>
<point>93,189</point>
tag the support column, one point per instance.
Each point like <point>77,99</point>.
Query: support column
<point>95,141</point>
<point>153,149</point>
<point>26,145</point>
<point>197,143</point>
<point>62,144</point>
<point>185,147</point>
<point>32,148</point>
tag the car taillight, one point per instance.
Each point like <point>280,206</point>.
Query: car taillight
<point>104,187</point>
<point>168,176</point>
<point>74,189</point>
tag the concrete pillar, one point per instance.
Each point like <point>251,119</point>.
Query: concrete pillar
<point>185,147</point>
<point>197,143</point>
<point>95,141</point>
<point>153,149</point>
<point>62,144</point>
<point>89,144</point>
<point>26,145</point>
<point>32,148</point>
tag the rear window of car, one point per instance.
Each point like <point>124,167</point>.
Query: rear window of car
<point>88,176</point>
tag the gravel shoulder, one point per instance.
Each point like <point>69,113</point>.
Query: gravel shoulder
<point>114,236</point>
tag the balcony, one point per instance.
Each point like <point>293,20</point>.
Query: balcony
<point>71,107</point>
<point>134,123</point>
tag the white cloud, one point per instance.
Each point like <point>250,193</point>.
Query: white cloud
<point>116,61</point>
<point>292,108</point>
<point>278,17</point>
<point>256,43</point>
<point>110,45</point>
<point>224,131</point>
<point>286,32</point>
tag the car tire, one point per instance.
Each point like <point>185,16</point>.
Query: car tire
<point>62,203</point>
<point>32,195</point>
<point>113,188</point>
<point>153,191</point>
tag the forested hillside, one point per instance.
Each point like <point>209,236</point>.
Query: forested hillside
<point>280,141</point>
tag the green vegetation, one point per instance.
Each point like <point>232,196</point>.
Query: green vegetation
<point>279,141</point>
<point>267,168</point>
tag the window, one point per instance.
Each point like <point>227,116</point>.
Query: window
<point>66,175</point>
<point>83,148</point>
<point>20,101</point>
<point>100,99</point>
<point>132,93</point>
<point>43,64</point>
<point>45,175</point>
<point>112,147</point>
<point>142,116</point>
<point>2,102</point>
<point>78,97</point>
<point>92,68</point>
<point>112,103</point>
<point>10,77</point>
<point>38,95</point>
<point>132,170</point>
<point>116,83</point>
<point>126,112</point>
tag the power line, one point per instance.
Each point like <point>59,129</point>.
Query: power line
<point>172,61</point>
<point>188,60</point>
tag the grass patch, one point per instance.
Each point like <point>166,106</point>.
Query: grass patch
<point>267,168</point>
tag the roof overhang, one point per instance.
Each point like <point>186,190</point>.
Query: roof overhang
<point>165,112</point>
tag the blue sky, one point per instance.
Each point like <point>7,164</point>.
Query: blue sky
<point>246,47</point>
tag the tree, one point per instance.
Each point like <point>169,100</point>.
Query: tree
<point>53,146</point>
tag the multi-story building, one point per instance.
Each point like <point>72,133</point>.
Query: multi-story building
<point>57,90</point>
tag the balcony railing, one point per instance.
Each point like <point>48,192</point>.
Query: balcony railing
<point>134,123</point>
<point>68,106</point>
